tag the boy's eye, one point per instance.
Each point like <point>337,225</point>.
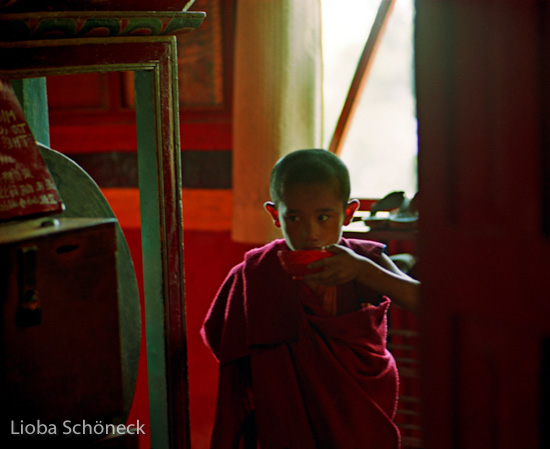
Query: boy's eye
<point>292,218</point>
<point>323,217</point>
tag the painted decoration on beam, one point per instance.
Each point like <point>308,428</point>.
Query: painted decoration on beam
<point>90,24</point>
<point>26,186</point>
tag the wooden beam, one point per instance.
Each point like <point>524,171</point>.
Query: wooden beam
<point>361,75</point>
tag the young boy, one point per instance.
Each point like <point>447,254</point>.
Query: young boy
<point>303,363</point>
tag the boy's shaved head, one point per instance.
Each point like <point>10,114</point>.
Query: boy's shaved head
<point>315,166</point>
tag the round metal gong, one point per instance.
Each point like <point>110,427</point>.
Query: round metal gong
<point>83,198</point>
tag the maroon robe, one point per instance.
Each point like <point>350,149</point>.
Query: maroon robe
<point>310,379</point>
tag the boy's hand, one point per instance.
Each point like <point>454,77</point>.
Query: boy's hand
<point>346,265</point>
<point>343,266</point>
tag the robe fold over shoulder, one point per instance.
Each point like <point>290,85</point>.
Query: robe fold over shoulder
<point>310,379</point>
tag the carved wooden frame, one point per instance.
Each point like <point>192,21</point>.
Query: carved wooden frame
<point>155,63</point>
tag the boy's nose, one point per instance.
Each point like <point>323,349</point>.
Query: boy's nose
<point>311,231</point>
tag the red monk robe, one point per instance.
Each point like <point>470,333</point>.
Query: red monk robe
<point>310,379</point>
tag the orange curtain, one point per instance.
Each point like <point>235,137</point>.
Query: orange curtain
<point>277,101</point>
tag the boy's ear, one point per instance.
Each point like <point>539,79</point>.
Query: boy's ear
<point>352,206</point>
<point>272,209</point>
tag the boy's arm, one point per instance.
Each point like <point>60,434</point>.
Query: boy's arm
<point>385,278</point>
<point>401,288</point>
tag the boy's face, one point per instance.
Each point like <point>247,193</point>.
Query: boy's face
<point>311,215</point>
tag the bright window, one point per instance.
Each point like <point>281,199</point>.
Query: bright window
<point>381,146</point>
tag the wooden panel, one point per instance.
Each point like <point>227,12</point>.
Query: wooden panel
<point>544,418</point>
<point>492,383</point>
<point>544,29</point>
<point>484,252</point>
<point>489,126</point>
<point>66,366</point>
<point>201,59</point>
